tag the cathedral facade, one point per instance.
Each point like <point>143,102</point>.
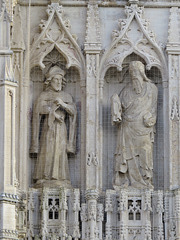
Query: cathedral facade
<point>89,119</point>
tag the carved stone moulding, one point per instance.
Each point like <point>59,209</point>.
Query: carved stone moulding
<point>8,234</point>
<point>53,213</point>
<point>55,34</point>
<point>6,9</point>
<point>92,194</point>
<point>129,213</point>
<point>134,36</point>
<point>9,197</point>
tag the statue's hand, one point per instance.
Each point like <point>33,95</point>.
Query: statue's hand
<point>59,102</point>
<point>116,119</point>
<point>116,109</point>
<point>70,148</point>
<point>149,120</point>
<point>59,118</point>
<point>33,149</point>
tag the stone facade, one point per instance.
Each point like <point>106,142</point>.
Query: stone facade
<point>91,45</point>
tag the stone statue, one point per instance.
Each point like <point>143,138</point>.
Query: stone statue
<point>50,138</point>
<point>134,112</point>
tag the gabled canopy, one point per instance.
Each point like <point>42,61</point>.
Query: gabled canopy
<point>55,33</point>
<point>134,36</point>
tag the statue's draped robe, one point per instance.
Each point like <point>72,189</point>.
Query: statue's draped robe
<point>49,136</point>
<point>134,151</point>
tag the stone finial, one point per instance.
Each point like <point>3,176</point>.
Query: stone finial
<point>17,34</point>
<point>174,29</point>
<point>93,39</point>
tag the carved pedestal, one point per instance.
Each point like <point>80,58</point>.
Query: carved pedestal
<point>53,214</point>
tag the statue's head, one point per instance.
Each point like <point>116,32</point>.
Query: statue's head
<point>55,78</point>
<point>138,76</point>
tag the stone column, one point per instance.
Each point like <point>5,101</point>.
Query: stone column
<point>8,197</point>
<point>62,212</point>
<point>146,211</point>
<point>76,209</point>
<point>18,48</point>
<point>30,220</point>
<point>92,51</point>
<point>92,230</point>
<point>177,213</point>
<point>109,214</point>
<point>158,210</point>
<point>44,214</point>
<point>123,212</point>
<point>84,220</point>
<point>173,51</point>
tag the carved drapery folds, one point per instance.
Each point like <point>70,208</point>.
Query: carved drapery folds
<point>54,144</point>
<point>135,111</point>
<point>55,33</point>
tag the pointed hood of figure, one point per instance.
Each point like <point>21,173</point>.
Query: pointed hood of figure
<point>54,71</point>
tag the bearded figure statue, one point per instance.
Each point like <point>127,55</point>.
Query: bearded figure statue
<point>134,112</point>
<point>51,141</point>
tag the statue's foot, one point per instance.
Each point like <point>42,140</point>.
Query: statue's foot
<point>120,185</point>
<point>150,186</point>
<point>52,183</point>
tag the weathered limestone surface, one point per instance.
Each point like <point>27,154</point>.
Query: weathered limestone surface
<point>62,170</point>
<point>135,110</point>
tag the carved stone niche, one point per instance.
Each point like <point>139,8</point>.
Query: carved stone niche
<point>71,88</point>
<point>55,49</point>
<point>114,82</point>
<point>134,41</point>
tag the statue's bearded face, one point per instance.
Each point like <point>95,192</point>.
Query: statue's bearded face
<point>137,80</point>
<point>56,82</point>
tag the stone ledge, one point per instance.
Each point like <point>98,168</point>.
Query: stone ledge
<point>107,3</point>
<point>9,197</point>
<point>8,234</point>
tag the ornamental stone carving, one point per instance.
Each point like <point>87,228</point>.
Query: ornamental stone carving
<point>133,36</point>
<point>49,132</point>
<point>55,33</point>
<point>134,113</point>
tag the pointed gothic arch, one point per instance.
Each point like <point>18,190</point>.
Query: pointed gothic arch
<point>134,36</point>
<point>55,33</point>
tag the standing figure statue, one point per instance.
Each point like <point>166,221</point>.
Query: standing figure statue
<point>134,111</point>
<point>50,138</point>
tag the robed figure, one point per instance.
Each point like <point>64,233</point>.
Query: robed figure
<point>134,112</point>
<point>50,138</point>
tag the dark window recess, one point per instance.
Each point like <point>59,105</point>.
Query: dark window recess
<point>50,201</point>
<point>50,214</point>
<point>131,216</point>
<point>138,216</point>
<point>56,215</point>
<point>57,202</point>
